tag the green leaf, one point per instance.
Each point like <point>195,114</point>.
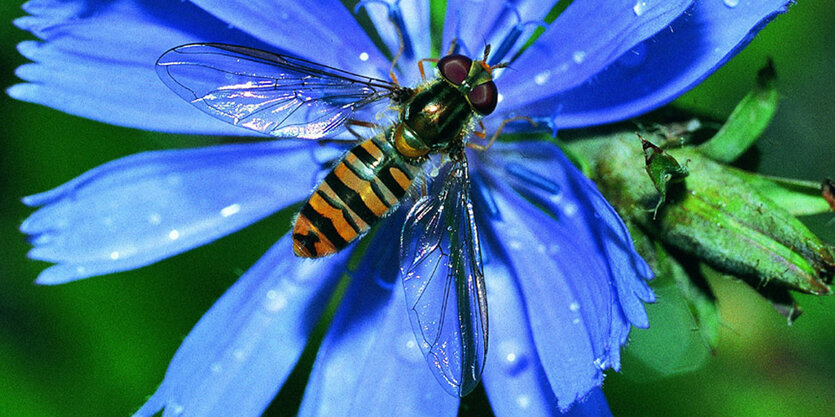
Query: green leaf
<point>748,120</point>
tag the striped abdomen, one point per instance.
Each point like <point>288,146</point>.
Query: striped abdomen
<point>361,189</point>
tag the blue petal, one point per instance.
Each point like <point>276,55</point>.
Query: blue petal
<point>594,405</point>
<point>143,208</point>
<point>660,69</point>
<point>370,363</point>
<point>97,60</point>
<point>322,30</point>
<point>584,39</point>
<point>571,287</point>
<point>415,15</point>
<point>514,379</point>
<point>238,355</point>
<point>596,223</point>
<point>473,24</point>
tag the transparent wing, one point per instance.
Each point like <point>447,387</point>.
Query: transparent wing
<point>440,261</point>
<point>279,95</point>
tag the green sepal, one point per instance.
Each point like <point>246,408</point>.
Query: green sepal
<point>799,198</point>
<point>748,120</point>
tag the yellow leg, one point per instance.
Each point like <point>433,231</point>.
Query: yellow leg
<point>360,123</point>
<point>498,132</point>
<point>398,54</point>
<point>420,66</point>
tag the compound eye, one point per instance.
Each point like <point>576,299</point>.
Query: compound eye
<point>484,98</point>
<point>455,68</point>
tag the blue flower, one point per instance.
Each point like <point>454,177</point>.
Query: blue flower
<point>564,283</point>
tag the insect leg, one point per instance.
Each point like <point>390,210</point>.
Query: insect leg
<point>420,66</point>
<point>452,46</point>
<point>399,50</point>
<point>499,131</point>
<point>351,122</point>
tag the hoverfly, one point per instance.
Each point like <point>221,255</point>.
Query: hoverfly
<point>440,259</point>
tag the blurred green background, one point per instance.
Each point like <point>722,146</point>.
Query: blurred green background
<point>99,347</point>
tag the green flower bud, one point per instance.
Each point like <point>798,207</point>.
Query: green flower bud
<point>713,214</point>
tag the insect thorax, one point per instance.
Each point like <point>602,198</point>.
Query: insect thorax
<point>435,117</point>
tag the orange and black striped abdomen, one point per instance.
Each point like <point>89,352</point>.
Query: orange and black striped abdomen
<point>368,182</point>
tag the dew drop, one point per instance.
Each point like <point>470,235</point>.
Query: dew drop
<point>579,57</point>
<point>364,56</point>
<point>515,244</point>
<point>230,210</point>
<point>238,354</point>
<point>513,358</point>
<point>542,77</point>
<point>114,255</point>
<point>570,209</point>
<point>154,218</point>
<point>175,408</point>
<point>408,349</point>
<point>215,368</point>
<point>731,3</point>
<point>276,301</point>
<point>574,306</point>
<point>80,270</point>
<point>523,401</point>
<point>639,8</point>
<point>174,234</point>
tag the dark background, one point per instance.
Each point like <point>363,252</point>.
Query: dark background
<point>99,347</point>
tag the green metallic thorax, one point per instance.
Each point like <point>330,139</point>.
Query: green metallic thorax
<point>436,115</point>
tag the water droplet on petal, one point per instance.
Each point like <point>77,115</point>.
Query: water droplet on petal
<point>215,367</point>
<point>574,306</point>
<point>408,349</point>
<point>579,57</point>
<point>542,77</point>
<point>238,354</point>
<point>639,8</point>
<point>513,358</point>
<point>174,234</point>
<point>175,408</point>
<point>154,218</point>
<point>515,245</point>
<point>731,3</point>
<point>523,401</point>
<point>230,210</point>
<point>276,301</point>
<point>114,255</point>
<point>570,209</point>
